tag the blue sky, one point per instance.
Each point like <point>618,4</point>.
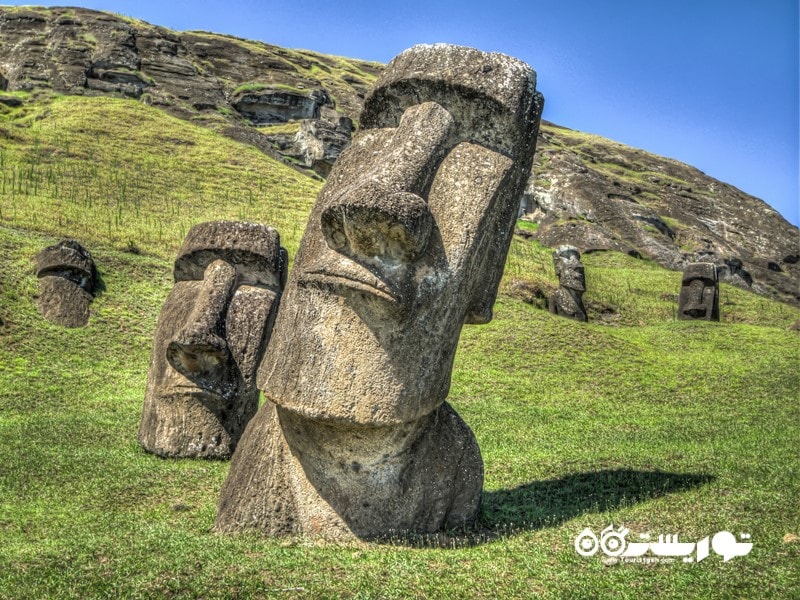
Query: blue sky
<point>713,83</point>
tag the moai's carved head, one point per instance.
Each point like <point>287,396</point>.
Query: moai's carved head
<point>567,301</point>
<point>699,297</point>
<point>407,239</point>
<point>211,334</point>
<point>67,280</point>
<point>569,268</point>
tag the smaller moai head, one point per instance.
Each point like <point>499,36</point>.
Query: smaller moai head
<point>210,336</point>
<point>569,268</point>
<point>67,281</point>
<point>699,296</point>
<point>567,301</point>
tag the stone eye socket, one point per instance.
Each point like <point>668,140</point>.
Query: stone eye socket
<point>392,229</point>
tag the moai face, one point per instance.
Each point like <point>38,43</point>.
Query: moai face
<point>567,301</point>
<point>568,266</point>
<point>407,239</point>
<point>211,333</point>
<point>67,281</point>
<point>699,297</point>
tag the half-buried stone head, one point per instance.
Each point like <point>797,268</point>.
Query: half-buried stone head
<point>699,297</point>
<point>407,239</point>
<point>210,336</point>
<point>567,301</point>
<point>67,281</point>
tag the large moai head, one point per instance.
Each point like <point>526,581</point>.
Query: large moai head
<point>568,299</point>
<point>210,336</point>
<point>699,297</point>
<point>407,239</point>
<point>67,281</point>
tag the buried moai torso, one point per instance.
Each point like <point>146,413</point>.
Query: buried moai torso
<point>211,333</point>
<point>405,244</point>
<point>67,282</point>
<point>567,300</point>
<point>699,297</point>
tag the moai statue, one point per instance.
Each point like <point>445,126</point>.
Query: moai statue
<point>210,336</point>
<point>567,300</point>
<point>699,297</point>
<point>67,281</point>
<point>405,244</point>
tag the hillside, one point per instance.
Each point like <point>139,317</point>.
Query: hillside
<point>302,107</point>
<point>667,426</point>
<point>636,418</point>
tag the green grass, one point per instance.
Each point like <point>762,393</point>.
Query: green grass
<point>153,178</point>
<point>667,426</point>
<point>259,87</point>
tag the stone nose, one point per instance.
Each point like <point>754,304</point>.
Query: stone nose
<point>199,350</point>
<point>379,225</point>
<point>385,218</point>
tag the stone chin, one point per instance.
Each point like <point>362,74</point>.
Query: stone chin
<point>344,370</point>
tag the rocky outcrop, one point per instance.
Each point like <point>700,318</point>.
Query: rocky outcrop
<point>210,78</point>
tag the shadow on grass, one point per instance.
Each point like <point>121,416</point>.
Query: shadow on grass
<point>550,502</point>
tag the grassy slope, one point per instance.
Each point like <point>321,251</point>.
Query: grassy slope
<point>667,426</point>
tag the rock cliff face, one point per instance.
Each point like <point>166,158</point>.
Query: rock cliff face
<point>585,191</point>
<point>239,86</point>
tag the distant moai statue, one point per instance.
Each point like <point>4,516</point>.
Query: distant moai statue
<point>67,281</point>
<point>405,244</point>
<point>211,334</point>
<point>567,300</point>
<point>699,297</point>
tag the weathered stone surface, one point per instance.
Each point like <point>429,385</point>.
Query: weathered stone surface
<point>190,74</point>
<point>67,281</point>
<point>211,333</point>
<point>567,301</point>
<point>279,106</point>
<point>405,244</point>
<point>320,141</point>
<point>699,297</point>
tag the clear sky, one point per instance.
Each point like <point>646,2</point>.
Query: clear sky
<point>713,83</point>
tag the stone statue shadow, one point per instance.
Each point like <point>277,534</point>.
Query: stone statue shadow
<point>550,502</point>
